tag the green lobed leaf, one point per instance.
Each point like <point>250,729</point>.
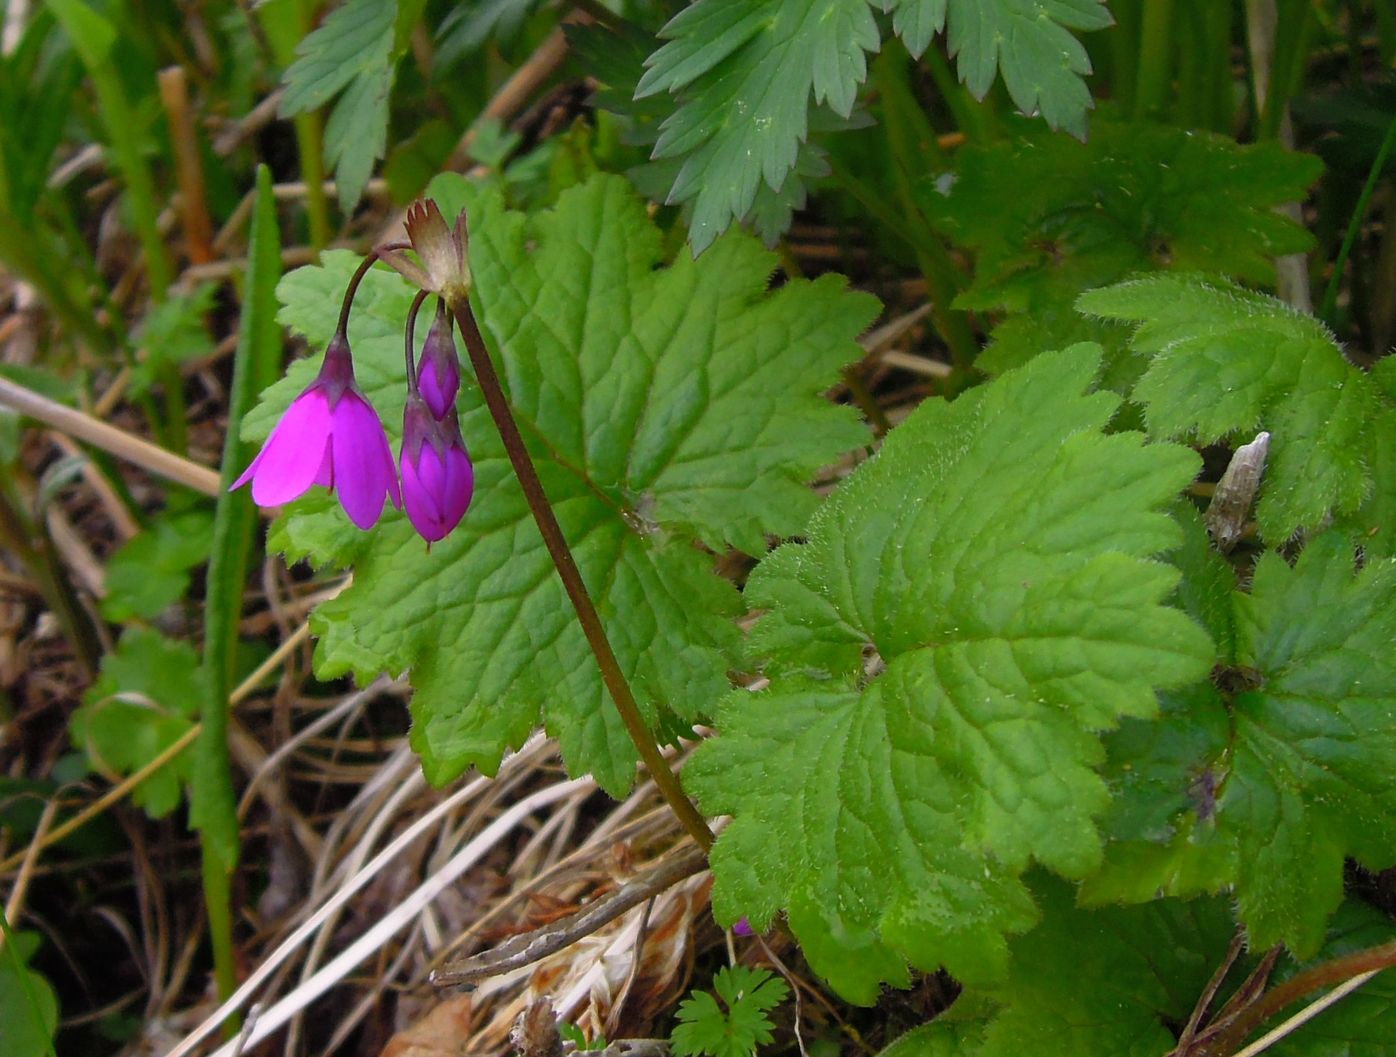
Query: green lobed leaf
<point>663,405</point>
<point>705,1027</point>
<point>145,699</point>
<point>747,71</point>
<point>354,52</point>
<point>1267,781</point>
<point>469,27</point>
<point>1049,217</point>
<point>994,557</point>
<point>1226,360</point>
<point>151,571</point>
<point>1120,982</point>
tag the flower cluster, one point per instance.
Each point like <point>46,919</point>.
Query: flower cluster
<point>331,435</point>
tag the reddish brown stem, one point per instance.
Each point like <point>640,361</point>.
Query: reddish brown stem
<point>561,555</point>
<point>1326,974</point>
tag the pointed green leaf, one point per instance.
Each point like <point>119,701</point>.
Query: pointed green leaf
<point>747,70</point>
<point>1028,41</point>
<point>1107,982</point>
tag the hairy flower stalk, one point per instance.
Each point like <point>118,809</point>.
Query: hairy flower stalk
<point>445,270</point>
<point>616,683</point>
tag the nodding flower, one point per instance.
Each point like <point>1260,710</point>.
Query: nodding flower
<point>330,436</point>
<point>437,477</point>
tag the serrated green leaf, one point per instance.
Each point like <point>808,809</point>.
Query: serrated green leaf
<point>994,557</point>
<point>748,69</point>
<point>1049,217</point>
<point>1282,775</point>
<point>152,570</point>
<point>706,1028</point>
<point>1028,41</point>
<point>356,134</point>
<point>1307,783</point>
<point>1205,590</point>
<point>1364,1022</point>
<point>145,699</point>
<point>469,26</point>
<point>352,52</point>
<point>662,405</point>
<point>1225,359</point>
<point>356,39</point>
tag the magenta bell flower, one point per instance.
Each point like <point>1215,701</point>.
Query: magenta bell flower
<point>437,478</point>
<point>438,372</point>
<point>330,436</point>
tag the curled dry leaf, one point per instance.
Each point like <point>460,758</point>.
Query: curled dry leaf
<point>617,981</point>
<point>441,1033</point>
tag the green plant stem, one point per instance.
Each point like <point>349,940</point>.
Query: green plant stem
<point>310,134</point>
<point>1294,33</point>
<point>912,142</point>
<point>572,582</point>
<point>1124,54</point>
<point>218,899</point>
<point>213,801</point>
<point>1326,974</point>
<point>1155,58</point>
<point>1359,212</point>
<point>19,537</point>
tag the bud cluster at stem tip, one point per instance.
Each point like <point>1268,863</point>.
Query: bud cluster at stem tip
<point>332,436</point>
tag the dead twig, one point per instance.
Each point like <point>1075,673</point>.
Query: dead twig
<point>535,946</point>
<point>114,441</point>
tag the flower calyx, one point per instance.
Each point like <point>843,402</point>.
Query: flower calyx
<point>445,262</point>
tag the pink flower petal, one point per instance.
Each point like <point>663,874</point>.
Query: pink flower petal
<point>419,499</point>
<point>364,474</point>
<point>324,477</point>
<point>439,392</point>
<point>460,486</point>
<point>292,456</point>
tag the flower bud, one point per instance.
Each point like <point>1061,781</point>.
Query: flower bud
<point>438,370</point>
<point>437,477</point>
